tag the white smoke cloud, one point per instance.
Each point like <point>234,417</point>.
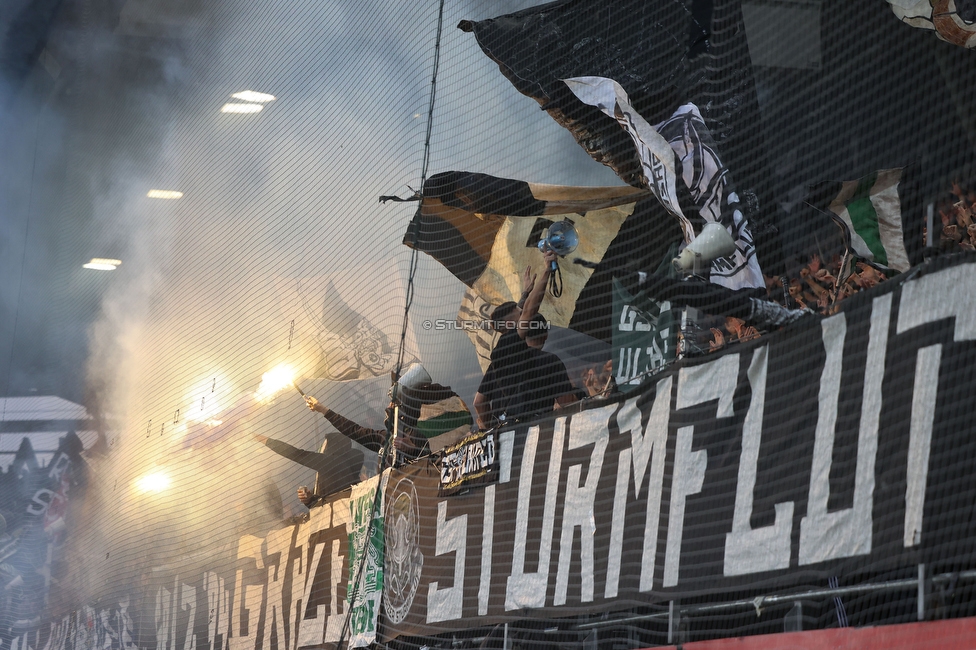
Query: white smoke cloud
<point>288,192</point>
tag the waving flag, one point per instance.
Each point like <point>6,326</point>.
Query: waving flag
<point>684,135</point>
<point>337,335</point>
<point>954,21</point>
<point>664,53</point>
<point>870,208</point>
<point>485,231</point>
<point>653,150</point>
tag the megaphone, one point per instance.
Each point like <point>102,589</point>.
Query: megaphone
<point>414,377</point>
<point>713,242</point>
<point>562,239</point>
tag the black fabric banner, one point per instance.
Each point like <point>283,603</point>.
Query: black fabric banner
<point>661,53</point>
<point>469,462</point>
<point>841,446</point>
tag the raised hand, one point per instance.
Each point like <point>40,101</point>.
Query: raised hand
<point>528,279</point>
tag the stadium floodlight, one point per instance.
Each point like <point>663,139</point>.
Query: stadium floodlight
<point>253,97</point>
<point>102,264</point>
<point>241,108</point>
<point>164,194</point>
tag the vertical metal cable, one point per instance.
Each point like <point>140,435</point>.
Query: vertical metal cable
<point>385,451</point>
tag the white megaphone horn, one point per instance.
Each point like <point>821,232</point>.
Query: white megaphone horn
<point>412,378</point>
<point>561,238</point>
<point>713,242</point>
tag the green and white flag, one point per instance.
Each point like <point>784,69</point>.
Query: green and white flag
<point>365,560</point>
<point>871,210</point>
<point>447,421</point>
<point>645,336</point>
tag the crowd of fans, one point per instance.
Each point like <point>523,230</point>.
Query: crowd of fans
<point>957,212</point>
<point>823,282</point>
<point>598,380</point>
<point>523,382</point>
<point>816,283</point>
<point>819,286</point>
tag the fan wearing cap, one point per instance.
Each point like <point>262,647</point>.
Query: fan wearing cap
<point>509,358</point>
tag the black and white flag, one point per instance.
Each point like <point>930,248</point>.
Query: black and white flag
<point>708,180</point>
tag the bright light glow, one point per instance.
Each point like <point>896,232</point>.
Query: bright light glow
<point>253,96</point>
<point>241,108</point>
<point>164,194</point>
<point>102,264</point>
<point>153,482</point>
<point>207,397</point>
<point>274,381</point>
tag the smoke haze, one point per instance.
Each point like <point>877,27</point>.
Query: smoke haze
<point>198,310</point>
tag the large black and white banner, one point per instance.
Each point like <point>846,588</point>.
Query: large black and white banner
<point>841,446</point>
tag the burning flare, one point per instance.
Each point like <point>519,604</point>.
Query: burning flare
<point>274,381</point>
<point>153,482</point>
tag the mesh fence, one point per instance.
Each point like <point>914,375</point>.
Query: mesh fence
<point>258,396</point>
